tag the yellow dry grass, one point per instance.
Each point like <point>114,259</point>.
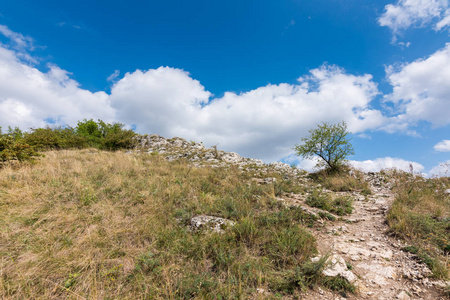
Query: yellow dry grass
<point>96,225</point>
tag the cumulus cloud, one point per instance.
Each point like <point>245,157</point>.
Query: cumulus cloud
<point>441,170</point>
<point>420,91</point>
<point>387,163</point>
<point>442,146</point>
<point>263,123</point>
<point>29,96</point>
<point>375,165</point>
<point>418,13</point>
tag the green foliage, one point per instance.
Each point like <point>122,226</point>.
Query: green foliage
<point>55,138</point>
<point>105,136</point>
<point>330,142</point>
<point>339,284</point>
<point>15,149</point>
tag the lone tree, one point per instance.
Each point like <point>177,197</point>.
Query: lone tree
<point>329,142</point>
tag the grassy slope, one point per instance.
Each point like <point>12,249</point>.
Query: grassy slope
<point>420,214</point>
<point>89,224</point>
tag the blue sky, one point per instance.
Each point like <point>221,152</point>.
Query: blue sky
<point>250,76</point>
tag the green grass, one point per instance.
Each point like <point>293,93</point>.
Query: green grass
<point>340,205</point>
<point>106,225</point>
<point>346,180</point>
<point>421,216</point>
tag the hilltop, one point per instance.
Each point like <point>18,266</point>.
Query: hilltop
<point>174,219</point>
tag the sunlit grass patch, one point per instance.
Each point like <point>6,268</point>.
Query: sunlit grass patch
<point>421,215</point>
<point>97,224</point>
<point>341,205</point>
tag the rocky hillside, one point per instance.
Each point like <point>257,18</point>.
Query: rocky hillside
<point>196,153</point>
<point>358,246</point>
<point>172,219</point>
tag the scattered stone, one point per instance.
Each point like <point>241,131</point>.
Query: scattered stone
<point>372,209</point>
<point>403,296</point>
<point>377,273</point>
<point>269,180</point>
<point>338,266</point>
<point>215,224</point>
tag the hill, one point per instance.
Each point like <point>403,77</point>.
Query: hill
<point>173,219</point>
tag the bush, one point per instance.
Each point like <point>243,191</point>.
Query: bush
<point>105,135</point>
<point>55,138</point>
<point>11,149</point>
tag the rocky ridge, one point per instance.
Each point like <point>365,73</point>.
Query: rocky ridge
<point>196,153</point>
<point>358,246</point>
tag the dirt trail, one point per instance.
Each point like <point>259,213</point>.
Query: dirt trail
<point>382,269</point>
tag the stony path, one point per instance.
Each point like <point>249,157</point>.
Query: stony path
<point>379,268</point>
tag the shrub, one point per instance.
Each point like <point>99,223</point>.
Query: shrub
<point>105,136</point>
<point>55,138</point>
<point>11,149</point>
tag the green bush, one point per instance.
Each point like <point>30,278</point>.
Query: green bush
<point>11,149</point>
<point>105,136</point>
<point>55,138</point>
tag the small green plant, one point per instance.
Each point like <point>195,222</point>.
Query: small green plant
<point>69,282</point>
<point>339,284</point>
<point>319,200</point>
<point>342,206</point>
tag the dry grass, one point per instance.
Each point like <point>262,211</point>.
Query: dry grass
<point>106,225</point>
<point>421,215</point>
<point>346,180</point>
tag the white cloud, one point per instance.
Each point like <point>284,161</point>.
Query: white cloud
<point>445,21</point>
<point>29,96</point>
<point>441,170</point>
<point>442,146</point>
<point>113,76</point>
<point>418,13</point>
<point>420,91</point>
<point>387,163</point>
<point>17,39</point>
<point>263,123</point>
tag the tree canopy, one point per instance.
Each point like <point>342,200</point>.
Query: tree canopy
<point>328,141</point>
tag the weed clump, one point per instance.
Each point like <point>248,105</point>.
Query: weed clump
<point>340,205</point>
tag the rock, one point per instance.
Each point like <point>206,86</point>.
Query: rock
<point>269,180</point>
<point>210,223</point>
<point>447,191</point>
<point>338,266</point>
<point>372,209</point>
<point>355,258</point>
<point>403,296</point>
<point>231,157</point>
<point>355,220</point>
<point>377,273</point>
